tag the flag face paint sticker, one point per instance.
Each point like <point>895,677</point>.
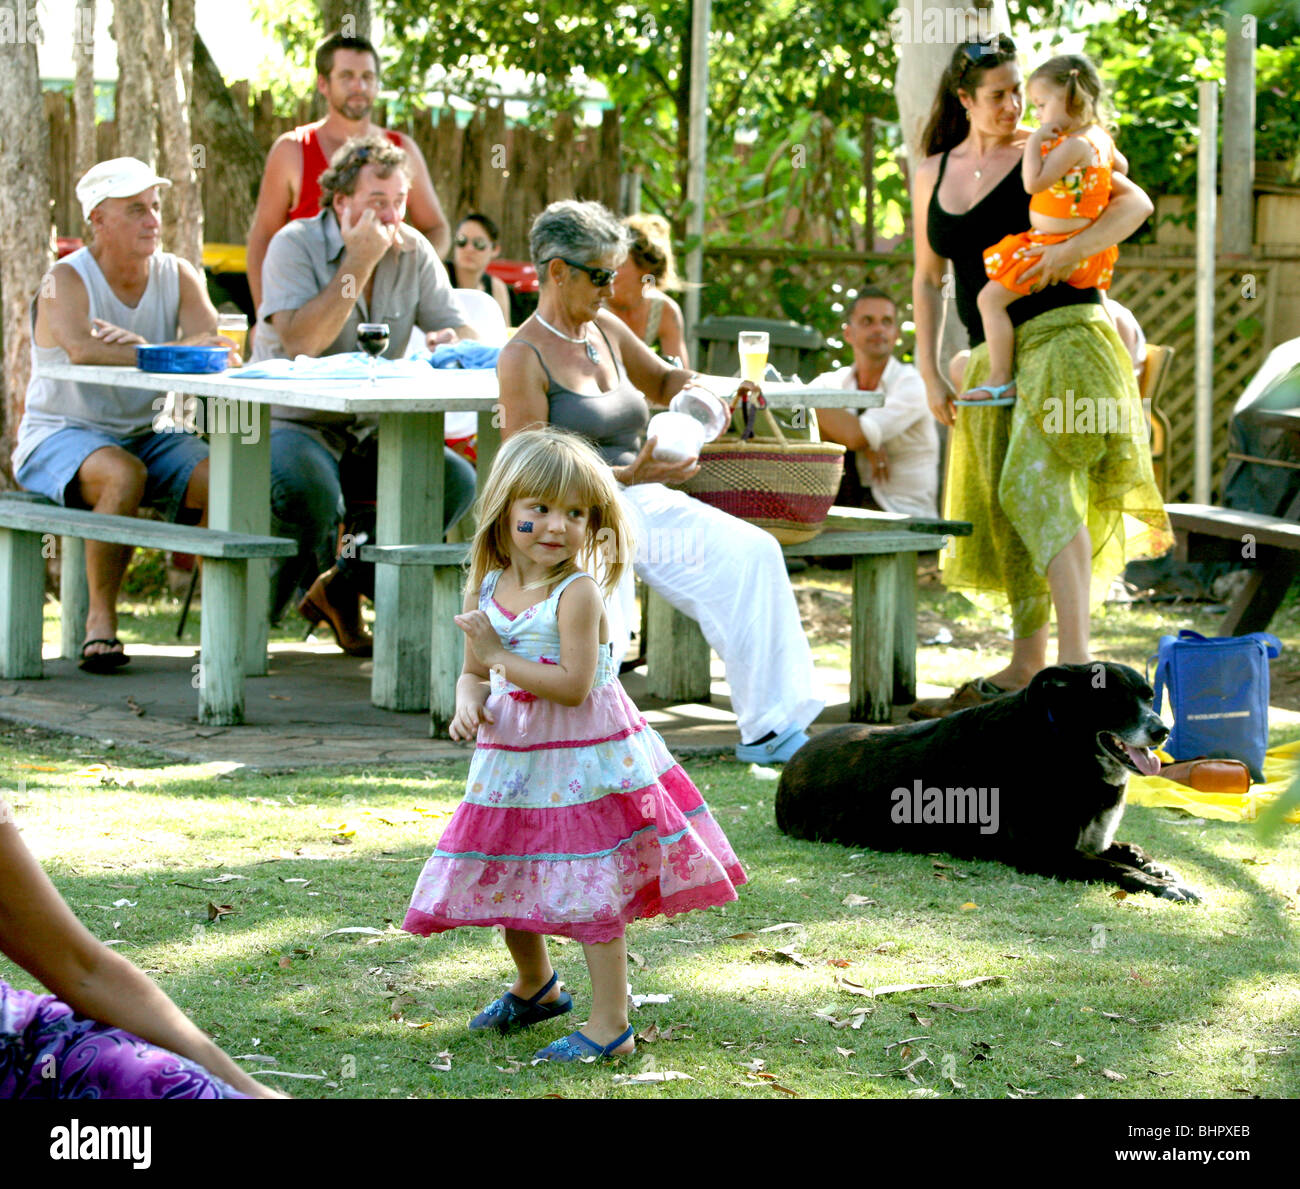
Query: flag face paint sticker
<point>524,526</point>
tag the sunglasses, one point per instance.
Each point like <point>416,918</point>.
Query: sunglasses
<point>478,241</point>
<point>976,51</point>
<point>600,277</point>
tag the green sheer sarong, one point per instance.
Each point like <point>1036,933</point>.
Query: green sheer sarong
<point>1073,451</point>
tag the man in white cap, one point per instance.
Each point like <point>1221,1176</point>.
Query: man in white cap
<point>92,445</point>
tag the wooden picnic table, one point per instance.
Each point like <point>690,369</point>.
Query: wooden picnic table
<point>409,505</point>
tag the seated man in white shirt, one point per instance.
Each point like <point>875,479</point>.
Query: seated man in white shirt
<point>896,446</point>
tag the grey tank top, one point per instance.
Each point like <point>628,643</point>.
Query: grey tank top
<point>614,421</point>
<point>122,412</point>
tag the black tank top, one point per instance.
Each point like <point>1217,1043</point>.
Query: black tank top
<point>963,239</point>
<point>613,421</point>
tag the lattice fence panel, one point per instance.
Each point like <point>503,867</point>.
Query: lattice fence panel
<point>1162,293</point>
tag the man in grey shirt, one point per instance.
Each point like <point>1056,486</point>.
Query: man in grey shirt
<point>99,446</point>
<point>355,262</point>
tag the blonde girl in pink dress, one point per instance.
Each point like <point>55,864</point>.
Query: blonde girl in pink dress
<point>576,820</point>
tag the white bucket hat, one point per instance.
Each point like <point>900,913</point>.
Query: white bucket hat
<point>120,177</point>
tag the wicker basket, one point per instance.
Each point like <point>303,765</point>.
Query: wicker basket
<point>782,486</point>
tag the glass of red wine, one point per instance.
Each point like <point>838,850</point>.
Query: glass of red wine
<point>372,338</point>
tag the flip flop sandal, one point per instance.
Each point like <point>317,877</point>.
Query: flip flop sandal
<point>102,662</point>
<point>510,1012</point>
<point>995,398</point>
<point>576,1047</point>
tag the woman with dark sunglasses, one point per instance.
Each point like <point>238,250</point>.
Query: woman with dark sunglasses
<point>474,247</point>
<point>575,365</point>
<point>1045,496</point>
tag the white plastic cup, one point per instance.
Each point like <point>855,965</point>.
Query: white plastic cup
<point>701,405</point>
<point>678,437</point>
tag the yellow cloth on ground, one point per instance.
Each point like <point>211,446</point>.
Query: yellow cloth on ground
<point>1074,450</point>
<point>1279,772</point>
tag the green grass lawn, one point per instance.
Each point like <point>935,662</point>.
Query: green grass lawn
<point>1095,996</point>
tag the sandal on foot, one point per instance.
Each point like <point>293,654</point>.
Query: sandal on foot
<point>576,1047</point>
<point>510,1012</point>
<point>776,750</point>
<point>102,662</point>
<point>995,398</point>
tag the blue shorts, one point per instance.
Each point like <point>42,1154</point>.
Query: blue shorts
<point>51,469</point>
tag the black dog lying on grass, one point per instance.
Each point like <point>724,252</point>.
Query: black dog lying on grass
<point>1034,779</point>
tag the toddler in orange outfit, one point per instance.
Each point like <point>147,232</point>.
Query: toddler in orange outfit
<point>1067,166</point>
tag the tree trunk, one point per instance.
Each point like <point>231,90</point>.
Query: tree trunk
<point>24,221</point>
<point>137,116</point>
<point>349,17</point>
<point>182,208</point>
<point>222,129</point>
<point>84,103</point>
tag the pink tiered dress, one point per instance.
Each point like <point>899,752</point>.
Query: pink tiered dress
<point>576,820</point>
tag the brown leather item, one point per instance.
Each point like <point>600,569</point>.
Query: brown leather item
<point>1210,776</point>
<point>972,693</point>
<point>345,621</point>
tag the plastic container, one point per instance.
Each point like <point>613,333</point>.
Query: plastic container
<point>179,359</point>
<point>702,406</point>
<point>678,437</point>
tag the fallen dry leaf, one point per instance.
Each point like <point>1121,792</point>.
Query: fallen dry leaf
<point>1137,978</point>
<point>657,1075</point>
<point>357,929</point>
<point>842,963</point>
<point>225,877</point>
<point>843,1052</point>
<point>1119,894</point>
<point>741,936</point>
<point>969,906</point>
<point>944,866</point>
<point>442,1064</point>
<point>757,1065</point>
<point>636,959</point>
<point>953,1007</point>
<point>853,900</point>
<point>922,1020</point>
<point>782,925</point>
<point>904,988</point>
<point>1111,1075</point>
<point>788,954</point>
<point>134,707</point>
<point>217,911</point>
<point>285,962</point>
<point>885,946</point>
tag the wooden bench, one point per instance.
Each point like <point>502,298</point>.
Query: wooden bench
<point>1268,545</point>
<point>883,643</point>
<point>28,527</point>
<point>882,647</point>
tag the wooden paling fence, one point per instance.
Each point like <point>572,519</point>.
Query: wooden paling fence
<point>509,172</point>
<point>811,287</point>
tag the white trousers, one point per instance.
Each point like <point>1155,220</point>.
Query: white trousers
<point>730,578</point>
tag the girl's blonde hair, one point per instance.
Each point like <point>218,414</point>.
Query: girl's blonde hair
<point>1078,78</point>
<point>548,464</point>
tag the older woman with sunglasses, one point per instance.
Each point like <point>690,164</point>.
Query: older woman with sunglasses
<point>1046,498</point>
<point>575,365</point>
<point>475,247</point>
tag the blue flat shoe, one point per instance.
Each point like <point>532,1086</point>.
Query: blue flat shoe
<point>995,398</point>
<point>576,1047</point>
<point>510,1012</point>
<point>776,750</point>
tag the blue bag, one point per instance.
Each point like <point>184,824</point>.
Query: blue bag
<point>1218,689</point>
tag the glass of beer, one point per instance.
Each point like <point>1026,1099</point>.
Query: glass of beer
<point>753,355</point>
<point>235,328</point>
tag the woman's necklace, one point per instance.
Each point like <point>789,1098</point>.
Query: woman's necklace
<point>979,169</point>
<point>585,340</point>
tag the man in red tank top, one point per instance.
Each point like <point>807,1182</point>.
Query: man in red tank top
<point>347,70</point>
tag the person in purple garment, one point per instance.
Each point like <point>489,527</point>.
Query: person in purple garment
<point>107,1031</point>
